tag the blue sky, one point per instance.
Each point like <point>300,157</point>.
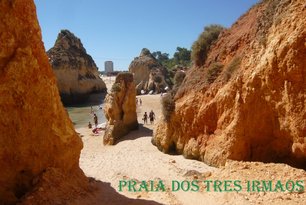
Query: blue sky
<point>117,30</point>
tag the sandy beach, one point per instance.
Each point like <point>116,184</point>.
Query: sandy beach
<point>135,159</point>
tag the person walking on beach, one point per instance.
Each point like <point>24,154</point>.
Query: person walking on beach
<point>140,101</point>
<point>145,118</point>
<point>152,117</point>
<point>96,120</point>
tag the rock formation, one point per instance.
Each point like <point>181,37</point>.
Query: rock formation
<point>149,74</point>
<point>248,100</point>
<point>120,109</point>
<point>76,72</point>
<point>36,132</point>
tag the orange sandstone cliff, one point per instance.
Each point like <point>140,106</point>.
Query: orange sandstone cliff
<point>120,109</point>
<point>254,106</point>
<point>37,139</point>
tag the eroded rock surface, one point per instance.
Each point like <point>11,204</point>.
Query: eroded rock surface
<point>36,132</point>
<point>76,72</point>
<point>253,107</point>
<point>120,109</point>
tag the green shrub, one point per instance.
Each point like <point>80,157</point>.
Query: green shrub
<point>266,20</point>
<point>232,67</point>
<point>178,78</point>
<point>116,87</point>
<point>201,46</point>
<point>213,72</point>
<point>168,106</point>
<point>171,75</point>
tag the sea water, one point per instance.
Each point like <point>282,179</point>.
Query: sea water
<point>82,114</point>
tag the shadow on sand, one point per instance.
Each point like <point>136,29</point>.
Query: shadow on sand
<point>141,132</point>
<point>103,193</point>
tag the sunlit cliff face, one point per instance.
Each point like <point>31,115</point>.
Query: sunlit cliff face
<point>255,107</point>
<point>36,132</point>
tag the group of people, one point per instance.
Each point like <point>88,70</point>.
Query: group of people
<point>95,121</point>
<point>151,117</point>
<point>145,118</point>
<point>95,130</point>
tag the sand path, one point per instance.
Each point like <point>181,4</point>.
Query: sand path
<point>135,158</point>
